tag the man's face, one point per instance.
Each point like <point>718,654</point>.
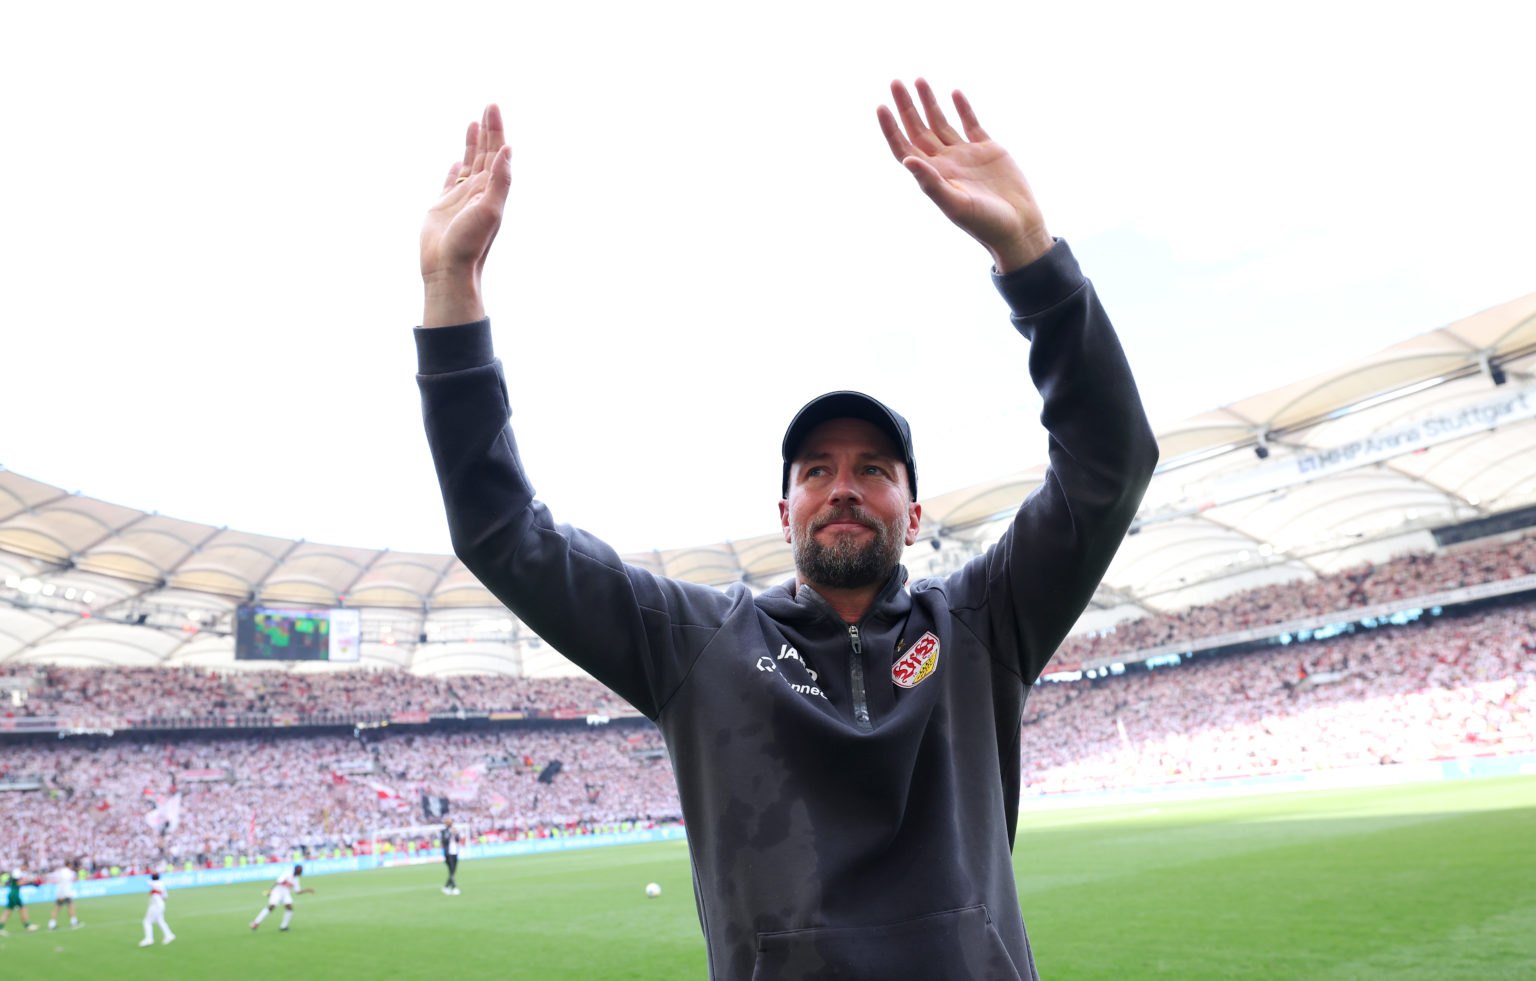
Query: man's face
<point>849,512</point>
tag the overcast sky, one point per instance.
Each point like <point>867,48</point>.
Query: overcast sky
<point>211,216</point>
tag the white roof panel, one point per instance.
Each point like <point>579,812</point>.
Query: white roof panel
<point>146,572</point>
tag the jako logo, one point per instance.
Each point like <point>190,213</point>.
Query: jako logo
<point>785,651</point>
<point>766,663</point>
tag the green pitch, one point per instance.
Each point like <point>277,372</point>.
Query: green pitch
<point>1433,881</point>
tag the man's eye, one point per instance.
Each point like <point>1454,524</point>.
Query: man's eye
<point>873,470</point>
<point>815,471</point>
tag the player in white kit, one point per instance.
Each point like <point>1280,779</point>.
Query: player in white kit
<point>64,878</point>
<point>282,892</point>
<point>156,914</point>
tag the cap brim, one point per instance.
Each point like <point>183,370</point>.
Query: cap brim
<point>849,405</point>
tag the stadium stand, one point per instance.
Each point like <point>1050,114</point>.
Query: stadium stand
<point>1460,683</point>
<point>1385,455</point>
<point>1404,578</point>
<point>1452,686</point>
<point>241,798</point>
<point>132,737</point>
<point>188,697</point>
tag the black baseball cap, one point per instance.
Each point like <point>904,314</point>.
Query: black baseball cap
<point>849,405</point>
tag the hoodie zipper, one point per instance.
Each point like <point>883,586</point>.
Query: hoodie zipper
<point>856,677</point>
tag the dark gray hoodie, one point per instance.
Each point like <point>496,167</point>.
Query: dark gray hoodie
<point>851,791</point>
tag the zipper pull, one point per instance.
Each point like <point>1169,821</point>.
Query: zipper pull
<point>853,638</point>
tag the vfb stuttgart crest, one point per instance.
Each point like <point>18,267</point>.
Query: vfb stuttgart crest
<point>917,663</point>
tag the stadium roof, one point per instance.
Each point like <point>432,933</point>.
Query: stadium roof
<point>1356,463</point>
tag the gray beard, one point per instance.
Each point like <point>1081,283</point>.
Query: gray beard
<point>845,564</point>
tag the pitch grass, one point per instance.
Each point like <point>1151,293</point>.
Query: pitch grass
<point>1427,882</point>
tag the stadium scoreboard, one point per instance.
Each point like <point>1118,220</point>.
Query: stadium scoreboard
<point>276,633</point>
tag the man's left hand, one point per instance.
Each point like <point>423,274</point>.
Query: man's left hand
<point>972,179</point>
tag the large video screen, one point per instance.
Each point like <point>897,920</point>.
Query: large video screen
<point>271,633</point>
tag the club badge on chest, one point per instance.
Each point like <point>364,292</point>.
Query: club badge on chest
<point>918,663</point>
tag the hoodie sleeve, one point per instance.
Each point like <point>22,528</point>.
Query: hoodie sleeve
<point>634,631</point>
<point>1027,591</point>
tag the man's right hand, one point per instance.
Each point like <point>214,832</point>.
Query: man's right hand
<point>972,179</point>
<point>458,231</point>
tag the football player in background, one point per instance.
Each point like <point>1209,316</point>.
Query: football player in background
<point>282,891</point>
<point>13,902</point>
<point>451,840</point>
<point>156,914</point>
<point>63,877</point>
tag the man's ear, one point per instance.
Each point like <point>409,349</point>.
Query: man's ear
<point>784,519</point>
<point>914,518</point>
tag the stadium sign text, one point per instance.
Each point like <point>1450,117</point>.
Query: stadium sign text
<point>1442,427</point>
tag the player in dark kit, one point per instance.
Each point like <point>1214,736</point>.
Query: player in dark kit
<point>451,840</point>
<point>13,902</point>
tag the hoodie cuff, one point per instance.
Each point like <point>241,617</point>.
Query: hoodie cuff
<point>443,349</point>
<point>1043,283</point>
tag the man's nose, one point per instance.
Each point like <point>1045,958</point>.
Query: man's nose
<point>845,488</point>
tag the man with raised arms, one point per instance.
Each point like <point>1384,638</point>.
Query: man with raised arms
<point>846,744</point>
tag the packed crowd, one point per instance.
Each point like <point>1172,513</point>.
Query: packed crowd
<point>1445,686</point>
<point>1442,687</point>
<point>1402,578</point>
<point>1448,687</point>
<point>131,804</point>
<point>145,695</point>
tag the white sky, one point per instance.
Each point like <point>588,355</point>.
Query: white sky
<point>210,224</point>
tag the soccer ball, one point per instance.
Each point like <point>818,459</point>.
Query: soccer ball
<point>653,890</point>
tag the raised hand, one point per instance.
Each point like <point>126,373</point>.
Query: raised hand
<point>972,179</point>
<point>458,231</point>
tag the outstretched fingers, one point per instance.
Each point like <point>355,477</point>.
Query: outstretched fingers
<point>918,132</point>
<point>973,130</point>
<point>480,160</point>
<point>460,170</point>
<point>493,131</point>
<point>483,143</point>
<point>926,132</point>
<point>489,138</point>
<point>471,138</point>
<point>894,138</point>
<point>935,113</point>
